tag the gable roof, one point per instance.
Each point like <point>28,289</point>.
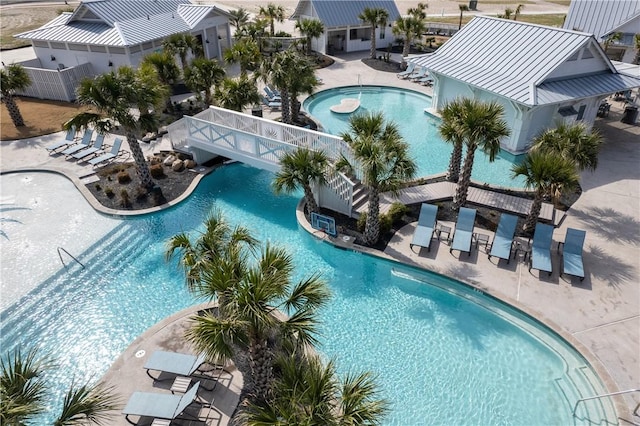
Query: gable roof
<point>340,13</point>
<point>601,17</point>
<point>122,22</point>
<point>514,59</point>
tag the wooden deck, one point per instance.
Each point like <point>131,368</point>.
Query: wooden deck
<point>440,191</point>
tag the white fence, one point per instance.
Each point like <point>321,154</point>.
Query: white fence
<point>57,85</point>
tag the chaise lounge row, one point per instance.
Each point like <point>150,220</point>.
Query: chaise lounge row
<point>85,150</point>
<point>538,252</point>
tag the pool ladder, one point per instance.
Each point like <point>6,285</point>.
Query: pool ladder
<point>575,407</point>
<point>60,250</point>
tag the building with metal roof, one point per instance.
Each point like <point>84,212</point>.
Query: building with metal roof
<point>604,19</point>
<point>101,35</point>
<point>539,74</point>
<point>343,29</point>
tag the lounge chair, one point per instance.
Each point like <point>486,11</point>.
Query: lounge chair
<point>503,240</point>
<point>541,248</point>
<point>423,234</point>
<point>68,139</point>
<point>572,253</point>
<point>96,147</point>
<point>426,81</point>
<point>271,95</point>
<point>115,150</point>
<point>274,90</point>
<point>463,233</point>
<point>421,73</point>
<point>160,405</point>
<point>271,104</point>
<point>84,143</point>
<point>174,363</point>
<point>406,73</point>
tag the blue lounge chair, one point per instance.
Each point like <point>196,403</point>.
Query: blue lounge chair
<point>421,73</point>
<point>271,104</point>
<point>115,150</point>
<point>541,248</point>
<point>271,95</point>
<point>274,90</point>
<point>96,147</point>
<point>174,363</point>
<point>463,234</point>
<point>68,139</point>
<point>161,406</point>
<point>406,73</point>
<point>84,143</point>
<point>503,240</point>
<point>572,253</point>
<point>423,234</point>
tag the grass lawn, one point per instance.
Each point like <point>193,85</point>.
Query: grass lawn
<point>552,20</point>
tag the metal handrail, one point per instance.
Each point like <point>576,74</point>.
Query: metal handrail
<point>575,407</point>
<point>68,254</point>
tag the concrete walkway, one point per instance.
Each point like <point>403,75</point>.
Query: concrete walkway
<point>600,316</point>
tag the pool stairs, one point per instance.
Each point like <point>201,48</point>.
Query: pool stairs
<point>578,383</point>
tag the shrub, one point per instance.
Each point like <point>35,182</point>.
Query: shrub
<point>109,192</point>
<point>362,221</point>
<point>123,177</point>
<point>397,211</point>
<point>125,200</point>
<point>141,193</point>
<point>157,171</point>
<point>98,187</point>
<point>385,223</point>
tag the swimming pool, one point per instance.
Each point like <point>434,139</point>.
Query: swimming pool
<point>420,130</point>
<point>443,354</point>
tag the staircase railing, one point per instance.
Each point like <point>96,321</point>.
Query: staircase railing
<point>575,407</point>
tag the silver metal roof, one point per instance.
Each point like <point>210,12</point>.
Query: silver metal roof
<point>126,23</point>
<point>509,58</point>
<point>584,87</point>
<point>340,13</point>
<point>601,17</point>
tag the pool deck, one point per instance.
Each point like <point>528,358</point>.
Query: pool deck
<point>600,315</point>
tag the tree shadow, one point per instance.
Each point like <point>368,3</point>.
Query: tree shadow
<point>610,269</point>
<point>610,224</point>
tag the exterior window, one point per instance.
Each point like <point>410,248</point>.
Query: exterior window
<point>116,50</point>
<point>581,112</point>
<point>382,32</point>
<point>100,49</point>
<point>38,43</point>
<point>78,47</point>
<point>60,46</point>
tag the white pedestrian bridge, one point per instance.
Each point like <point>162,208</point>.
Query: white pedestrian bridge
<point>262,143</point>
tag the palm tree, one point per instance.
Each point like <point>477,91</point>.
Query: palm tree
<point>251,324</point>
<point>374,17</point>
<point>126,97</point>
<point>636,41</point>
<point>215,261</point>
<point>573,142</point>
<point>165,65</point>
<point>279,72</point>
<point>517,12</point>
<point>23,389</point>
<point>181,44</point>
<point>238,18</point>
<point>450,132</point>
<point>463,8</point>
<point>409,28</point>
<point>418,11</point>
<point>272,13</point>
<point>298,169</point>
<point>481,126</point>
<point>310,28</point>
<point>544,171</point>
<point>302,81</point>
<point>310,393</point>
<point>202,75</point>
<point>245,52</point>
<point>384,158</point>
<point>237,93</point>
<point>13,77</point>
<point>614,37</point>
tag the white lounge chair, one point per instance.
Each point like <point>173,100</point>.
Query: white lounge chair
<point>406,73</point>
<point>160,405</point>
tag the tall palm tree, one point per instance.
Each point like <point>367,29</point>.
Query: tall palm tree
<point>279,72</point>
<point>463,8</point>
<point>450,130</point>
<point>419,11</point>
<point>636,41</point>
<point>298,169</point>
<point>165,65</point>
<point>302,81</point>
<point>246,53</point>
<point>385,161</point>
<point>23,389</point>
<point>126,97</point>
<point>13,77</point>
<point>544,171</point>
<point>181,44</point>
<point>238,18</point>
<point>251,323</point>
<point>374,17</point>
<point>202,76</point>
<point>481,126</point>
<point>310,28</point>
<point>272,12</point>
<point>237,93</point>
<point>310,393</point>
<point>409,27</point>
<point>614,37</point>
<point>573,142</point>
<point>517,12</point>
<point>215,261</point>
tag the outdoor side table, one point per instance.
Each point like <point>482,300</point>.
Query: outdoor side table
<point>180,384</point>
<point>482,239</point>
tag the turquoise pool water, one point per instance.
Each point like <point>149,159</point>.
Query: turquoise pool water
<point>420,130</point>
<point>443,354</point>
